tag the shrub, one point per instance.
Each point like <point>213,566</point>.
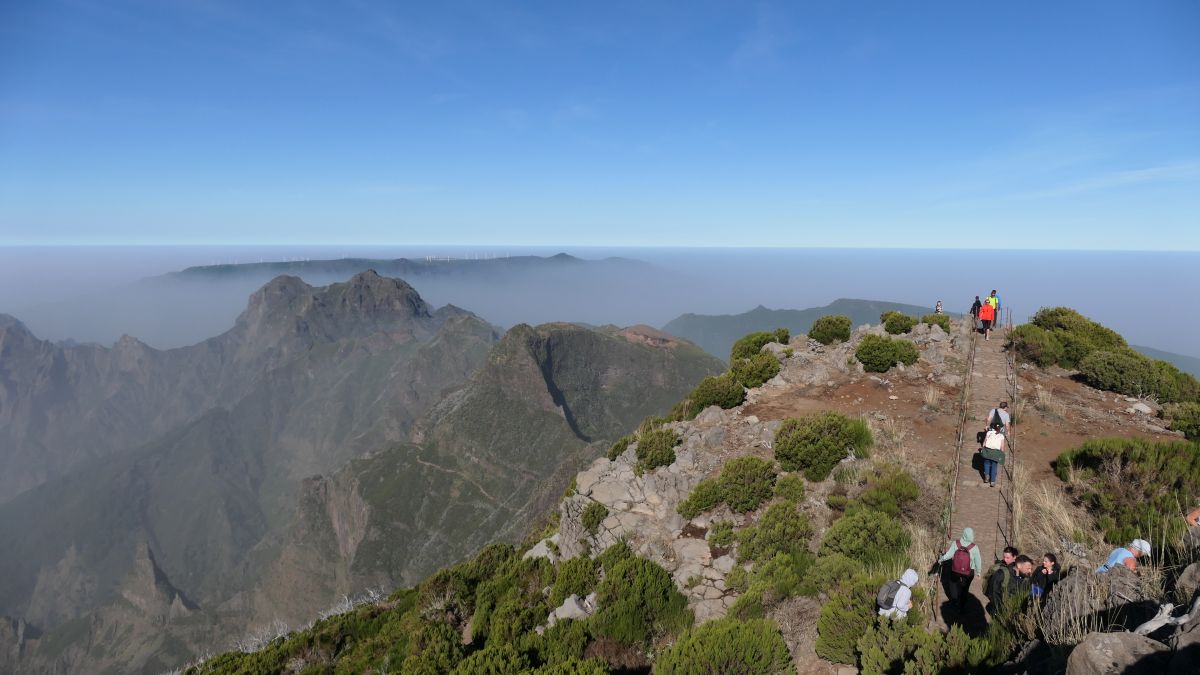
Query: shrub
<point>593,514</point>
<point>889,490</point>
<point>830,329</point>
<point>878,354</point>
<point>1134,486</point>
<point>614,555</point>
<point>1036,345</point>
<point>495,659</point>
<point>720,390</point>
<point>867,536</point>
<point>738,579</point>
<point>940,320</point>
<point>656,448</point>
<point>437,648</point>
<point>720,534</point>
<point>752,647</point>
<point>1184,417</point>
<point>829,573</point>
<point>747,482</point>
<point>576,576</point>
<point>1067,320</point>
<point>836,502</point>
<point>752,344</point>
<point>845,617</point>
<point>620,446</point>
<point>574,666</point>
<point>1125,372</point>
<point>637,602</point>
<point>781,576</point>
<point>755,370</point>
<point>781,529</point>
<point>816,443</point>
<point>896,322</point>
<point>790,488</point>
<point>705,496</point>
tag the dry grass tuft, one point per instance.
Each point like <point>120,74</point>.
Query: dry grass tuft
<point>1046,404</point>
<point>932,399</point>
<point>889,434</point>
<point>1047,520</point>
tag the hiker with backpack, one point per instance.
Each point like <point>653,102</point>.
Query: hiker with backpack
<point>1126,556</point>
<point>965,565</point>
<point>1009,582</point>
<point>975,313</point>
<point>1046,576</point>
<point>895,597</point>
<point>999,415</point>
<point>987,314</point>
<point>992,452</point>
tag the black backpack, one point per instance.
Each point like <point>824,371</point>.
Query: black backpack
<point>996,418</point>
<point>887,594</point>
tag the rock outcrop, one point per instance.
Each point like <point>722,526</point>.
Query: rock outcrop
<point>1118,654</point>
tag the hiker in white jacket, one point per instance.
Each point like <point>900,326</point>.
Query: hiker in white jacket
<point>897,604</point>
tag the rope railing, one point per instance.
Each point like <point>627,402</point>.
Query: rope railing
<point>1010,466</point>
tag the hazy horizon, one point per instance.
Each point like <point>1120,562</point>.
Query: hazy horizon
<point>1119,289</point>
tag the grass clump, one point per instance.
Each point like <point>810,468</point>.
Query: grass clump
<point>878,353</point>
<point>816,443</point>
<point>753,647</point>
<point>897,322</point>
<point>790,488</point>
<point>593,514</point>
<point>754,371</point>
<point>744,484</point>
<point>1134,486</point>
<point>656,448</point>
<point>830,329</point>
<point>720,534</point>
<point>940,320</point>
<point>749,345</point>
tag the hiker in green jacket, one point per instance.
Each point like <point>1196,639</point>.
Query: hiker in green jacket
<point>965,565</point>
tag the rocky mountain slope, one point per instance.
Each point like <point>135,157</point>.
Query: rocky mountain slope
<point>340,437</point>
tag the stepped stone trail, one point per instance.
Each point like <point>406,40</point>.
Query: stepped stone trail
<point>983,508</point>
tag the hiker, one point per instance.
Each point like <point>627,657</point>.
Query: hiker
<point>965,564</point>
<point>1193,518</point>
<point>1046,576</point>
<point>987,314</point>
<point>937,309</point>
<point>1126,556</point>
<point>975,313</point>
<point>895,597</point>
<point>992,452</point>
<point>1000,414</point>
<point>1008,581</point>
<point>994,301</point>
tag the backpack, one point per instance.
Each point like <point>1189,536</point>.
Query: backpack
<point>996,418</point>
<point>887,594</point>
<point>961,562</point>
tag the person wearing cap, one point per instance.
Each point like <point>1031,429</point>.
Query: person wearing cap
<point>1126,556</point>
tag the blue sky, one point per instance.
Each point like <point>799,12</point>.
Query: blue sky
<point>880,124</point>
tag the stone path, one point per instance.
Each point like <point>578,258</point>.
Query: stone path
<point>976,505</point>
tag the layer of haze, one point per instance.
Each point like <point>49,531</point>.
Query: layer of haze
<point>91,294</point>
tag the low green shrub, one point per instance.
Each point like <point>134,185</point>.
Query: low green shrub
<point>747,482</point>
<point>704,497</point>
<point>867,536</point>
<point>790,487</point>
<point>638,602</point>
<point>780,530</point>
<point>576,576</point>
<point>1134,486</point>
<point>620,446</point>
<point>751,344</point>
<point>1125,372</point>
<point>753,647</point>
<point>830,329</point>
<point>754,371</point>
<point>723,390</point>
<point>940,320</point>
<point>878,353</point>
<point>889,490</point>
<point>656,448</point>
<point>437,648</point>
<point>1036,345</point>
<point>720,534</point>
<point>1184,417</point>
<point>845,617</point>
<point>494,659</point>
<point>816,443</point>
<point>593,514</point>
<point>574,667</point>
<point>897,322</point>
<point>837,502</point>
<point>829,574</point>
<point>614,555</point>
<point>781,576</point>
<point>738,579</point>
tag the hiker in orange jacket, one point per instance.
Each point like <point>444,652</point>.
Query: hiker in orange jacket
<point>987,314</point>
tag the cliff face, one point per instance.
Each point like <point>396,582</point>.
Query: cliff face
<point>334,439</point>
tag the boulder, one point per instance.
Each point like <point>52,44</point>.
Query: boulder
<point>1188,582</point>
<point>781,352</point>
<point>1118,654</point>
<point>1084,597</point>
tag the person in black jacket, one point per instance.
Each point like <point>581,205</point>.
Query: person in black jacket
<point>975,313</point>
<point>1009,583</point>
<point>1046,576</point>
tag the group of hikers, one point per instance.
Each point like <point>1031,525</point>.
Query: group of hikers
<point>1013,578</point>
<point>985,313</point>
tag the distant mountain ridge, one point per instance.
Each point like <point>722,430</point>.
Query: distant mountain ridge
<point>1188,364</point>
<point>717,333</point>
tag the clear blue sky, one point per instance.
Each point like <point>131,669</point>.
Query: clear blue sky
<point>1031,125</point>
